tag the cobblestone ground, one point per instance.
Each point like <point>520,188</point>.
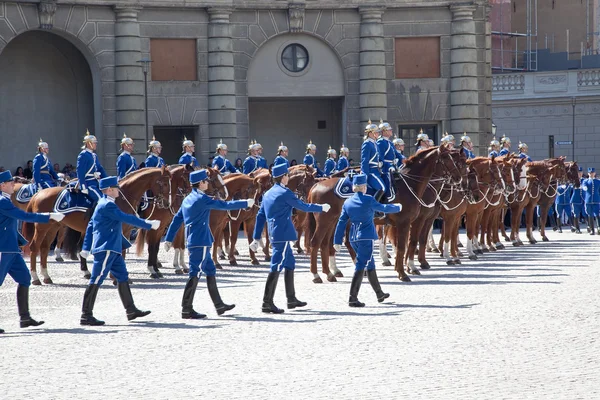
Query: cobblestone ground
<point>522,323</point>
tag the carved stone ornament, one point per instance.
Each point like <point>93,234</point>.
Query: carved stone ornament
<point>46,10</point>
<point>296,16</point>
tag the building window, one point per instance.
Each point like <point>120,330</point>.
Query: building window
<point>173,59</point>
<point>294,58</point>
<point>417,57</point>
<point>321,124</point>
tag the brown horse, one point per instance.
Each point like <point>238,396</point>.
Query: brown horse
<point>133,187</point>
<point>547,197</point>
<point>572,178</point>
<point>302,179</point>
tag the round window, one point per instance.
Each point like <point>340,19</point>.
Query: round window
<point>294,58</point>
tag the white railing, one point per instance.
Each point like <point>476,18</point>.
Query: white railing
<point>588,77</point>
<point>506,82</point>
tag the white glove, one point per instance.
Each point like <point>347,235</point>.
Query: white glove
<point>250,203</point>
<point>57,216</point>
<point>168,246</point>
<point>380,164</point>
<point>400,207</point>
<point>84,191</point>
<point>256,244</point>
<point>392,169</point>
<point>337,247</point>
<point>326,207</point>
<point>154,222</point>
<point>84,254</point>
<point>98,175</point>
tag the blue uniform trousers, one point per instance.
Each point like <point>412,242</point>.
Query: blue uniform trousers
<point>375,183</point>
<point>390,193</point>
<point>93,190</point>
<point>364,255</point>
<point>592,210</point>
<point>201,261</point>
<point>105,262</point>
<point>562,210</point>
<point>282,257</point>
<point>577,210</point>
<point>14,265</point>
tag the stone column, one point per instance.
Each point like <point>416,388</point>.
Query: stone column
<point>486,130</point>
<point>373,90</point>
<point>129,85</point>
<point>221,83</point>
<point>464,96</point>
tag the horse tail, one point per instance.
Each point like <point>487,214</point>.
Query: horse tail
<point>140,241</point>
<point>71,243</point>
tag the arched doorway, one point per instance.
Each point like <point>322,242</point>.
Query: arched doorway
<point>296,92</point>
<point>46,91</point>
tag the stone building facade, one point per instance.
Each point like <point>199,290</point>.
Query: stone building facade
<point>238,70</point>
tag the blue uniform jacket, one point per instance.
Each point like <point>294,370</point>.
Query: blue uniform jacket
<point>87,165</point>
<point>9,214</point>
<point>43,172</point>
<point>360,209</point>
<point>577,193</point>
<point>125,164</point>
<point>281,160</point>
<point>387,154</point>
<point>399,158</point>
<point>523,155</point>
<point>504,152</point>
<point>369,157</point>
<point>591,191</point>
<point>223,165</point>
<point>493,153</point>
<point>187,158</point>
<point>250,165</point>
<point>329,167</point>
<point>262,162</point>
<point>276,211</point>
<point>195,212</point>
<point>309,159</point>
<point>105,229</point>
<point>468,152</point>
<point>563,195</point>
<point>342,163</point>
<point>154,161</point>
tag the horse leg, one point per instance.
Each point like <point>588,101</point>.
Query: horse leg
<point>543,218</point>
<point>249,230</point>
<point>59,242</point>
<point>529,222</point>
<point>413,239</point>
<point>44,251</point>
<point>267,245</point>
<point>424,243</point>
<point>502,227</point>
<point>454,241</point>
<point>383,253</point>
<point>326,258</point>
<point>178,270</point>
<point>349,246</point>
<point>35,248</point>
<point>234,227</point>
<point>442,239</point>
<point>401,242</point>
<point>515,219</point>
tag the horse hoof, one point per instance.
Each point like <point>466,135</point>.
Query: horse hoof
<point>60,259</point>
<point>459,245</point>
<point>457,261</point>
<point>48,281</point>
<point>473,257</point>
<point>268,258</point>
<point>429,251</point>
<point>299,251</point>
<point>461,254</point>
<point>545,239</point>
<point>435,250</point>
<point>236,253</point>
<point>233,262</point>
<point>478,251</point>
<point>425,265</point>
<point>218,266</point>
<point>532,242</point>
<point>178,272</point>
<point>441,255</point>
<point>154,276</point>
<point>331,278</point>
<point>36,282</point>
<point>506,239</point>
<point>404,278</point>
<point>222,257</point>
<point>87,275</point>
<point>114,281</point>
<point>255,262</point>
<point>158,264</point>
<point>318,280</point>
<point>186,270</point>
<point>486,250</point>
<point>414,272</point>
<point>386,264</point>
<point>450,262</point>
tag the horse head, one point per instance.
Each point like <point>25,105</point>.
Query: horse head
<point>162,188</point>
<point>572,175</point>
<point>262,182</point>
<point>216,184</point>
<point>180,183</point>
<point>302,178</point>
<point>507,171</point>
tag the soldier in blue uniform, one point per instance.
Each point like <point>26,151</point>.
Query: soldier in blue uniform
<point>221,163</point>
<point>126,163</point>
<point>104,240</point>
<point>399,149</point>
<point>359,210</point>
<point>251,162</point>
<point>387,155</point>
<point>523,148</point>
<point>505,143</point>
<point>89,169</point>
<point>561,205</point>
<point>154,159</point>
<point>577,205</point>
<point>188,153</point>
<point>44,175</point>
<point>591,190</point>
<point>11,260</point>
<point>343,163</point>
<point>282,154</point>
<point>467,146</point>
<point>195,213</point>
<point>422,141</point>
<point>262,162</point>
<point>370,163</point>
<point>494,148</point>
<point>276,211</point>
<point>330,164</point>
<point>309,158</point>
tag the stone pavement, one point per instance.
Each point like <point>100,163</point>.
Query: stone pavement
<point>522,323</point>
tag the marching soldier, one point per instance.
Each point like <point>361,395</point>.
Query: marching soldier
<point>330,164</point>
<point>387,156</point>
<point>251,162</point>
<point>125,162</point>
<point>577,205</point>
<point>523,148</point>
<point>276,209</point>
<point>399,149</point>
<point>195,213</point>
<point>282,154</point>
<point>370,162</point>
<point>104,240</point>
<point>359,209</point>
<point>591,190</point>
<point>343,163</point>
<point>309,158</point>
<point>422,141</point>
<point>561,204</point>
<point>220,162</point>
<point>467,146</point>
<point>505,143</point>
<point>188,150</point>
<point>44,175</point>
<point>11,260</point>
<point>494,148</point>
<point>154,159</point>
<point>89,169</point>
<point>262,162</point>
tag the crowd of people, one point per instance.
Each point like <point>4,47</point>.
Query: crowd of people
<point>27,173</point>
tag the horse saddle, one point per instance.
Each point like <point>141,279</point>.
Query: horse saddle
<point>343,188</point>
<point>26,193</point>
<point>70,200</point>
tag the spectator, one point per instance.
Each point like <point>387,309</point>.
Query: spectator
<point>29,170</point>
<point>318,165</point>
<point>351,162</point>
<point>19,172</point>
<point>56,167</point>
<point>2,169</point>
<point>294,162</point>
<point>239,165</point>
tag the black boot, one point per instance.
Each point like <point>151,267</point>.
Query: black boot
<point>374,281</point>
<point>187,303</point>
<point>576,223</point>
<point>354,288</point>
<point>380,198</point>
<point>591,222</point>
<point>211,283</point>
<point>87,309</point>
<point>290,291</point>
<point>23,306</point>
<point>268,306</point>
<point>127,299</point>
<point>1,330</point>
<point>553,222</point>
